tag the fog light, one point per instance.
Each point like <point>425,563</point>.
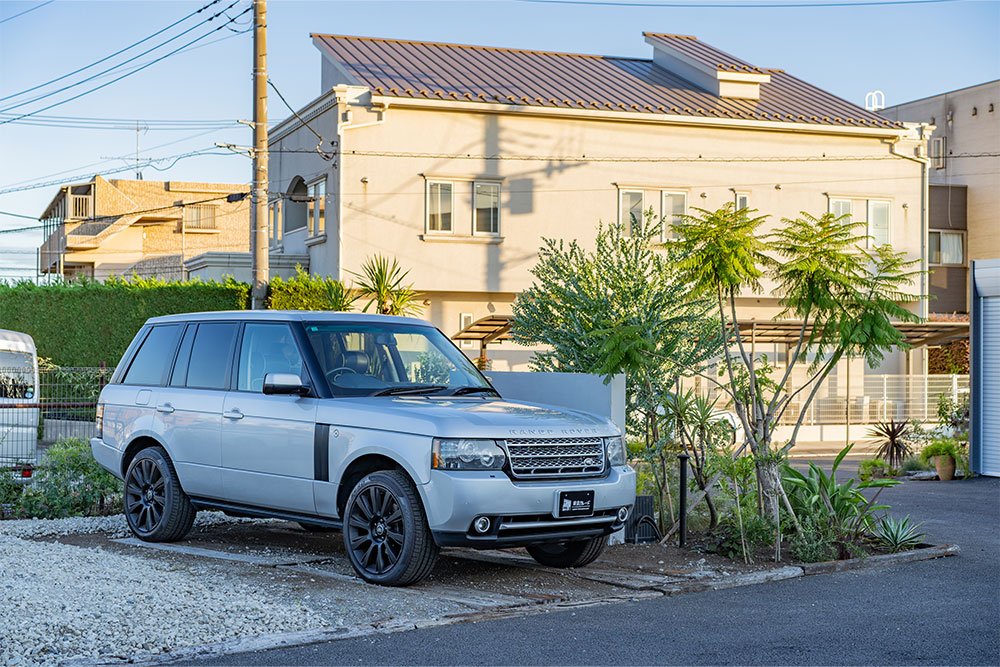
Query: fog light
<point>622,514</point>
<point>481,524</point>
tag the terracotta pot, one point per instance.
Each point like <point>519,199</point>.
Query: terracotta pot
<point>945,466</point>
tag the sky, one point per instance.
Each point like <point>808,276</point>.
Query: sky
<point>909,50</point>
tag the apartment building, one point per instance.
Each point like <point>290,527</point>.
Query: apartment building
<point>149,228</point>
<point>964,216</point>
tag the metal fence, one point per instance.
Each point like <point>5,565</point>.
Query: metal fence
<point>876,398</point>
<point>36,411</point>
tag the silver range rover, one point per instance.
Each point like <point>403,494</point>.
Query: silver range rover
<point>374,425</point>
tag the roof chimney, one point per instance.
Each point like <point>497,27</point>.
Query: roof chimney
<point>706,66</point>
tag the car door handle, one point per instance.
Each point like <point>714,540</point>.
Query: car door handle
<point>165,407</point>
<point>233,414</point>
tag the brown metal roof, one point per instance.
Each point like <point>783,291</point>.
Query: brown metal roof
<point>492,329</point>
<point>703,53</point>
<point>462,73</point>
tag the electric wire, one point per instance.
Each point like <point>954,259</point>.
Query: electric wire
<point>116,53</point>
<point>734,5</point>
<point>319,146</point>
<point>29,9</point>
<point>119,65</point>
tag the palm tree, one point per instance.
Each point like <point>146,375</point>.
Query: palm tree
<point>382,284</point>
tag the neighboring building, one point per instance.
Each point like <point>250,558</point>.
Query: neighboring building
<point>104,227</point>
<point>964,186</point>
<point>459,160</point>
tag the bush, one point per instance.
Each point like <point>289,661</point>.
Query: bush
<point>815,543</point>
<point>84,323</point>
<point>875,467</point>
<point>914,463</point>
<point>898,535</point>
<point>69,482</point>
<point>10,490</point>
<point>758,533</point>
<point>308,292</point>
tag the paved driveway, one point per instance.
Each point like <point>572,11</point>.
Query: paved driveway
<point>936,612</point>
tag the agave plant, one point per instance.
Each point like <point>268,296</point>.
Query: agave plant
<point>890,438</point>
<point>897,535</point>
<point>382,283</point>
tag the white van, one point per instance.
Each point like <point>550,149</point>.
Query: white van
<point>18,402</point>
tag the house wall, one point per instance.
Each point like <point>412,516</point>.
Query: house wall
<point>384,193</point>
<point>967,134</point>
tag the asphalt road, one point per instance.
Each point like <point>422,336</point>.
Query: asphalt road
<point>933,612</point>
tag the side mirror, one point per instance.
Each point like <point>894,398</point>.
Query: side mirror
<point>284,383</point>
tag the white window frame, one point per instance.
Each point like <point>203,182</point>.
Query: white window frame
<point>316,224</point>
<point>665,228</point>
<point>427,206</point>
<point>868,222</point>
<point>736,199</point>
<point>847,200</point>
<point>499,187</point>
<point>626,225</point>
<point>938,156</point>
<point>957,232</point>
<point>464,320</point>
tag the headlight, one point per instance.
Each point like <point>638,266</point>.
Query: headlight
<point>616,451</point>
<point>467,454</point>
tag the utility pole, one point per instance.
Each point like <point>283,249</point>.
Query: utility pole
<point>258,205</point>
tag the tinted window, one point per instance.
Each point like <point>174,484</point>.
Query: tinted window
<point>179,376</point>
<point>266,348</point>
<point>210,355</point>
<point>150,363</point>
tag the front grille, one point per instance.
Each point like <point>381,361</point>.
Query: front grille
<point>555,457</point>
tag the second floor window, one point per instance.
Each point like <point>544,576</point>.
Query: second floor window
<point>199,217</point>
<point>486,208</point>
<point>742,200</point>
<point>674,210</point>
<point>946,248</point>
<point>631,210</point>
<point>440,204</point>
<point>317,207</point>
<point>840,208</point>
<point>878,222</point>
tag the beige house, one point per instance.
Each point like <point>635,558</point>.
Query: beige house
<point>458,161</point>
<point>104,227</point>
<point>964,222</point>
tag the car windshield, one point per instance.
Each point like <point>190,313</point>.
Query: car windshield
<point>375,359</point>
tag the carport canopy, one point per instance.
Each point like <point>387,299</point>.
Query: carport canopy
<point>492,329</point>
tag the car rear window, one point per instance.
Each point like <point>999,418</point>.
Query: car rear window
<point>150,362</point>
<point>211,354</point>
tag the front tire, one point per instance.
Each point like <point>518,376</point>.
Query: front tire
<point>156,508</point>
<point>568,554</point>
<point>385,530</point>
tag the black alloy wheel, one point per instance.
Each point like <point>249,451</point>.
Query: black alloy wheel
<point>376,529</point>
<point>156,508</point>
<point>385,530</point>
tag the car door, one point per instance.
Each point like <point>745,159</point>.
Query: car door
<point>268,441</point>
<point>191,405</point>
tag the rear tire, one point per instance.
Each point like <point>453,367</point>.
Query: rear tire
<point>568,554</point>
<point>385,530</point>
<point>156,508</point>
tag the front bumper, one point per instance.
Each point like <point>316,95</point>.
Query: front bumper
<point>520,513</point>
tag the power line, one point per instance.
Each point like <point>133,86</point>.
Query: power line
<point>139,69</point>
<point>116,53</point>
<point>319,149</point>
<point>29,9</point>
<point>118,65</point>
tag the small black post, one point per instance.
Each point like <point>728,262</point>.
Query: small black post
<point>682,464</point>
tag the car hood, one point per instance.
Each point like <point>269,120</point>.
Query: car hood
<point>472,417</point>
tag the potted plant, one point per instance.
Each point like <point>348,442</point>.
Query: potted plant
<point>875,468</point>
<point>944,452</point>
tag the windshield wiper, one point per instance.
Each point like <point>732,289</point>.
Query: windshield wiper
<point>461,391</point>
<point>409,389</point>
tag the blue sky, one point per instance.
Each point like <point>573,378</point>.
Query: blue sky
<point>907,50</point>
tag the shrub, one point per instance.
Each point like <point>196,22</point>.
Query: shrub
<point>308,292</point>
<point>69,482</point>
<point>875,467</point>
<point>10,490</point>
<point>914,463</point>
<point>954,413</point>
<point>815,543</point>
<point>891,440</point>
<point>84,323</point>
<point>758,532</point>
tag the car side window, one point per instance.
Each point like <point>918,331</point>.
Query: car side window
<point>211,353</point>
<point>266,348</point>
<point>179,375</point>
<point>153,358</point>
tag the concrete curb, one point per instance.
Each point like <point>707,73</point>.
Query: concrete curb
<point>647,587</point>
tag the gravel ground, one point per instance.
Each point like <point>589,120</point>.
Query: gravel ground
<point>59,601</point>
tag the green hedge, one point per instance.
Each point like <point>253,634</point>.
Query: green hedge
<point>84,323</point>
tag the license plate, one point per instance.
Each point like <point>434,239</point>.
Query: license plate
<point>574,504</point>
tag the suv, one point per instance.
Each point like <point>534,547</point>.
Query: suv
<point>375,425</point>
